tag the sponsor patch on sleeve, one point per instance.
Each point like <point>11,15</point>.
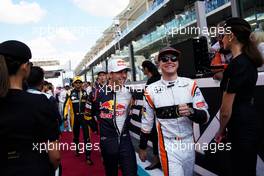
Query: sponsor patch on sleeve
<point>200,104</point>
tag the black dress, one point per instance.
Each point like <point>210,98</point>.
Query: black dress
<point>240,78</point>
<point>25,121</point>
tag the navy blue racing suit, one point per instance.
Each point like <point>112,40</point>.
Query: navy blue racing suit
<point>115,143</point>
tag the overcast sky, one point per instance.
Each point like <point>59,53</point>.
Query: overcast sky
<point>58,29</point>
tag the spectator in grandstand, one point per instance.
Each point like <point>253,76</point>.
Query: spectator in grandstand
<point>177,102</point>
<point>258,38</point>
<point>237,113</point>
<point>27,120</point>
<point>151,71</point>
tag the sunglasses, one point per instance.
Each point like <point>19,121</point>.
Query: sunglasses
<point>78,82</point>
<point>166,58</point>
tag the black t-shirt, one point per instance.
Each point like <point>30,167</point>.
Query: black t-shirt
<point>25,119</point>
<point>240,77</point>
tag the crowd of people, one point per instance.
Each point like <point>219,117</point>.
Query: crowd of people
<point>33,113</point>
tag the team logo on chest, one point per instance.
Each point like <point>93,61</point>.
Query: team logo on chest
<point>74,96</point>
<point>159,89</point>
<point>107,109</point>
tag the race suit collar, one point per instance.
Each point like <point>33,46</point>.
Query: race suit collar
<point>178,82</point>
<point>170,83</point>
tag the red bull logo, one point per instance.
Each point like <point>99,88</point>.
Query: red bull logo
<point>120,109</point>
<point>108,105</point>
<point>121,63</point>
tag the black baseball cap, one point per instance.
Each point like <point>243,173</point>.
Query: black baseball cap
<point>16,50</point>
<point>168,50</point>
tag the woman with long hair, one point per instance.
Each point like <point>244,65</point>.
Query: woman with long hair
<point>27,120</point>
<point>238,117</point>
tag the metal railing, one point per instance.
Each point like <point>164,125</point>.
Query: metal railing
<point>211,5</point>
<point>181,20</point>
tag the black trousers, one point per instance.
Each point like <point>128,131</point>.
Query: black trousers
<point>244,159</point>
<point>244,133</point>
<point>79,121</point>
<point>243,154</point>
<point>116,152</point>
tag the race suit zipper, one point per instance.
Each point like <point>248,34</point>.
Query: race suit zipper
<point>114,119</point>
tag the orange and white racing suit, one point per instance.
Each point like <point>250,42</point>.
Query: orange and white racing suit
<point>175,132</point>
